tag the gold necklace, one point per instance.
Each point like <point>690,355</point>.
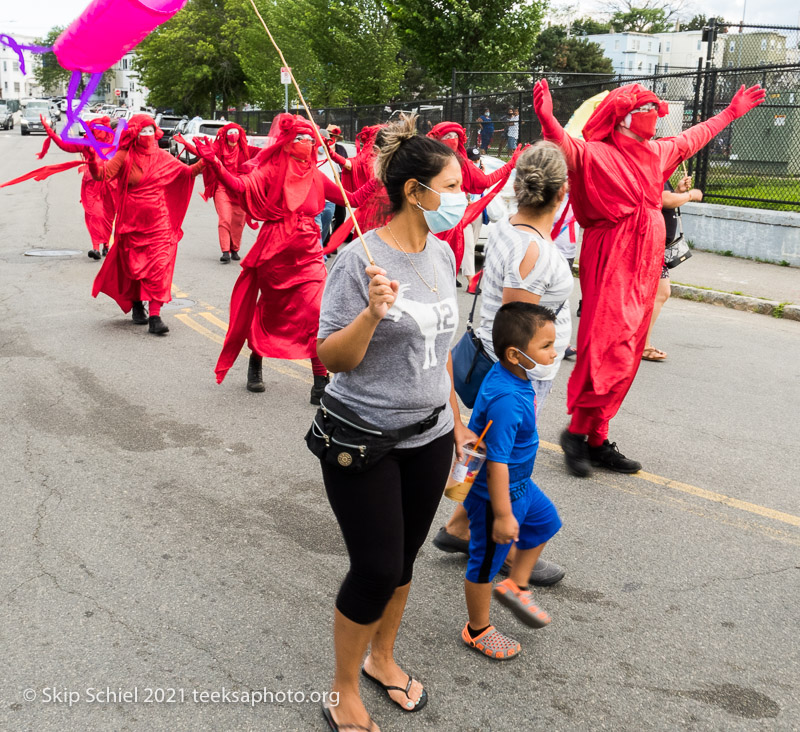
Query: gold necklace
<point>435,287</point>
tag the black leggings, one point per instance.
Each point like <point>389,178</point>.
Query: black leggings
<point>385,514</point>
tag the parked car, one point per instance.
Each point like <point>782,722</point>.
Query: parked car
<point>30,119</point>
<point>193,128</point>
<point>168,123</point>
<point>6,116</point>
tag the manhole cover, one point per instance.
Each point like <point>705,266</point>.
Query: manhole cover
<point>178,303</point>
<point>52,252</point>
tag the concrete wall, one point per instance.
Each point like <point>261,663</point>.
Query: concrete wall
<point>747,232</point>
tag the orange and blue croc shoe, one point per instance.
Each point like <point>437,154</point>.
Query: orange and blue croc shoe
<point>492,643</point>
<point>521,603</point>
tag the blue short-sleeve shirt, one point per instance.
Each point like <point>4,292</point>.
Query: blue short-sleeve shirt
<point>513,438</point>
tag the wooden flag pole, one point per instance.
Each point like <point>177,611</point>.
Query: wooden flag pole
<point>319,136</point>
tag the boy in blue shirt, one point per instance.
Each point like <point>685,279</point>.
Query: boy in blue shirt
<point>504,505</point>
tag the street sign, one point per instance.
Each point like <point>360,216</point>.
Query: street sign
<point>117,92</point>
<point>286,75</point>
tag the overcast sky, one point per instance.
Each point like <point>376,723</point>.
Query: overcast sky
<point>36,17</point>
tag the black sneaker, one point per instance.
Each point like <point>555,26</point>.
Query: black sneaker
<point>105,249</point>
<point>94,254</point>
<point>157,326</point>
<point>449,543</point>
<point>608,456</point>
<point>225,258</point>
<point>576,454</point>
<point>543,574</point>
<point>138,313</point>
<point>235,256</point>
<point>458,284</point>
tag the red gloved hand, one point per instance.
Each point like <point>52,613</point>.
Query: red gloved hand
<point>746,99</point>
<point>520,149</point>
<point>204,149</point>
<point>543,106</point>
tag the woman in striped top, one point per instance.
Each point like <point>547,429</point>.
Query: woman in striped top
<point>522,263</point>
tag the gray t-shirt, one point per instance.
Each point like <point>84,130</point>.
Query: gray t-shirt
<point>403,376</point>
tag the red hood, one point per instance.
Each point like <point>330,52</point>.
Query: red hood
<point>616,106</point>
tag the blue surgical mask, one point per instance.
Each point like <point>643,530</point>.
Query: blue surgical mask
<point>539,370</point>
<point>451,210</point>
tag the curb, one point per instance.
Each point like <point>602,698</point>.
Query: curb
<point>774,308</point>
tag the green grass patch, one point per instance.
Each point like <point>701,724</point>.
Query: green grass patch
<point>780,189</point>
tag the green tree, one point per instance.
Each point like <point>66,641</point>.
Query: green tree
<point>589,27</point>
<point>698,22</point>
<point>554,50</point>
<point>492,35</point>
<point>641,20</point>
<point>48,73</point>
<point>192,60</point>
<point>340,51</point>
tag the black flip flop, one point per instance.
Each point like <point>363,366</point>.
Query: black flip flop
<point>421,702</point>
<point>333,727</point>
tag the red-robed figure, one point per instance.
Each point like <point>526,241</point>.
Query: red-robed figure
<point>617,173</point>
<point>357,172</point>
<point>154,192</point>
<point>475,181</point>
<point>276,299</point>
<point>98,198</point>
<point>233,152</point>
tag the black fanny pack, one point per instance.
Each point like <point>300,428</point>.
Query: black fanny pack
<point>339,437</point>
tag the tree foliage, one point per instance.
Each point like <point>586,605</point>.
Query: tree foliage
<point>48,73</point>
<point>698,22</point>
<point>554,50</point>
<point>465,35</point>
<point>641,20</point>
<point>644,16</point>
<point>340,51</point>
<point>589,27</point>
<point>192,60</point>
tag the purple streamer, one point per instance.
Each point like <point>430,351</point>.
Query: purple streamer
<point>74,112</point>
<point>17,48</point>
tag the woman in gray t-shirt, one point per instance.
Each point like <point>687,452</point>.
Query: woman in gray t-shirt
<point>385,332</point>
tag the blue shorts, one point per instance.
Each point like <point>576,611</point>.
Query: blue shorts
<point>538,522</point>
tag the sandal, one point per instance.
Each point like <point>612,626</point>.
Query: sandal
<point>521,603</point>
<point>334,727</point>
<point>421,702</point>
<point>651,353</point>
<point>492,643</point>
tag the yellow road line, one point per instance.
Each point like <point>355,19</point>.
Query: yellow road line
<point>786,518</point>
<point>275,365</point>
<point>211,318</point>
<point>202,330</point>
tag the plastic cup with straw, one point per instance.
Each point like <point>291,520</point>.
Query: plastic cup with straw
<point>464,471</point>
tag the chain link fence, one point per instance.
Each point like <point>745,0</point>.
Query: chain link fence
<point>754,162</point>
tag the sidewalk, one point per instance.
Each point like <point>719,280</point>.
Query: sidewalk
<point>739,276</point>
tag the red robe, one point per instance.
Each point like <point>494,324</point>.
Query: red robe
<point>615,191</point>
<point>276,299</point>
<point>154,195</point>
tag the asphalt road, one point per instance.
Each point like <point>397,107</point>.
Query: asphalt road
<point>161,532</point>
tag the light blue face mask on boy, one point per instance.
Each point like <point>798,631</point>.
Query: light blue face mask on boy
<point>451,210</point>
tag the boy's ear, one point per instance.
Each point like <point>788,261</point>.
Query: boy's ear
<point>511,356</point>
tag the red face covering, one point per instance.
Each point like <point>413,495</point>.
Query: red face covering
<point>233,137</point>
<point>452,143</point>
<point>146,143</point>
<point>301,149</point>
<point>644,123</point>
